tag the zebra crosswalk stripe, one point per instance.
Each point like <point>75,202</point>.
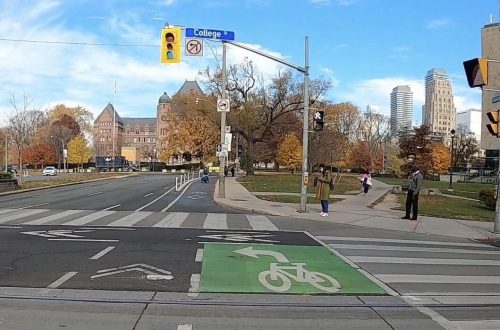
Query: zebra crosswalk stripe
<point>52,217</point>
<point>89,218</point>
<point>409,249</point>
<point>7,210</point>
<point>22,214</point>
<point>172,220</point>
<point>130,219</point>
<point>215,221</point>
<point>425,261</point>
<point>441,279</point>
<point>260,222</point>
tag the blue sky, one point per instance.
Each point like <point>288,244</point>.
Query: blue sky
<point>365,47</point>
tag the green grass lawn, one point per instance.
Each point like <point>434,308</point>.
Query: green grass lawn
<point>277,182</point>
<point>470,190</point>
<point>438,206</point>
<point>446,207</point>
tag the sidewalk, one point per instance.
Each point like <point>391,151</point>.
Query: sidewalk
<point>354,210</point>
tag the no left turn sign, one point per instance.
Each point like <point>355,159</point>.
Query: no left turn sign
<point>194,47</point>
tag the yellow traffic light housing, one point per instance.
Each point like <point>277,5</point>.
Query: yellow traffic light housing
<point>494,117</point>
<point>171,45</point>
<point>476,71</point>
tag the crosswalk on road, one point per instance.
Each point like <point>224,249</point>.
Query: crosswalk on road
<point>138,218</point>
<point>425,267</point>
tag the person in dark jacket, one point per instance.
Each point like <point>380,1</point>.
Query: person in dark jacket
<point>324,180</point>
<point>414,185</point>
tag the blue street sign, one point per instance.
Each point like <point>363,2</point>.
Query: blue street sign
<point>209,34</point>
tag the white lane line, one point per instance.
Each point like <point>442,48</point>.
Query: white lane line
<point>89,218</point>
<point>96,193</point>
<point>10,227</point>
<point>149,194</point>
<point>124,187</point>
<point>194,290</point>
<point>23,214</point>
<point>199,255</point>
<point>425,261</point>
<point>52,217</point>
<point>155,200</point>
<point>130,219</point>
<point>112,207</point>
<point>166,188</point>
<point>215,221</point>
<point>61,280</point>
<point>261,222</point>
<point>410,249</point>
<point>8,210</point>
<point>185,327</point>
<point>441,279</point>
<point>103,252</point>
<point>405,241</point>
<point>178,197</point>
<point>172,220</point>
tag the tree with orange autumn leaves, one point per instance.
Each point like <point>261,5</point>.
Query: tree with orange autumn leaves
<point>189,134</point>
<point>290,152</point>
<point>440,158</point>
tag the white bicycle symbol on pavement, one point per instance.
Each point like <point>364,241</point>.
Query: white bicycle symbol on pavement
<point>278,278</point>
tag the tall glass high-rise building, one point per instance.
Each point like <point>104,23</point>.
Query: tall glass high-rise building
<point>401,108</point>
<point>439,111</point>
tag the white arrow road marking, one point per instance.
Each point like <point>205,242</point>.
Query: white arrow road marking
<point>250,252</point>
<point>56,233</point>
<point>144,268</point>
<point>241,237</point>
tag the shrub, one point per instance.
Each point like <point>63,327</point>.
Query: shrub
<point>4,176</point>
<point>487,196</point>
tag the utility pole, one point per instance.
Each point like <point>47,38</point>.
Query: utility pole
<point>6,148</point>
<point>114,128</point>
<point>305,130</point>
<point>222,158</point>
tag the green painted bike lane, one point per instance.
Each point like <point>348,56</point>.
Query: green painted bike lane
<point>289,269</point>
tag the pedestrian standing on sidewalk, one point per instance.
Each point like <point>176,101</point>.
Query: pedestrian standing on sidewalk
<point>324,180</point>
<point>366,181</point>
<point>414,185</point>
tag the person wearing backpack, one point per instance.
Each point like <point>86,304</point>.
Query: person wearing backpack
<point>325,179</point>
<point>366,181</point>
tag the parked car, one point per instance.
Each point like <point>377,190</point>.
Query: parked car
<point>49,170</point>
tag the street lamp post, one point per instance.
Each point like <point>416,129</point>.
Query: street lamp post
<point>450,187</point>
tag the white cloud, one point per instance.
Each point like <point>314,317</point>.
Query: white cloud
<point>377,91</point>
<point>439,23</point>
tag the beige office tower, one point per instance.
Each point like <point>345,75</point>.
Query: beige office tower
<point>490,49</point>
<point>439,110</point>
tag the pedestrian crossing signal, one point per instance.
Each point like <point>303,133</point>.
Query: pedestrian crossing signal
<point>171,45</point>
<point>319,122</point>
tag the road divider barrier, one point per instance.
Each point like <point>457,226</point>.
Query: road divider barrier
<point>184,179</point>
